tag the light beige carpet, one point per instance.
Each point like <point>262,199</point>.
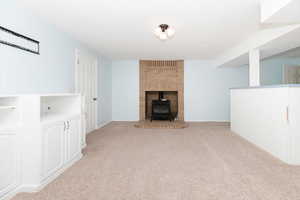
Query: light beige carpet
<point>202,162</point>
<point>161,124</point>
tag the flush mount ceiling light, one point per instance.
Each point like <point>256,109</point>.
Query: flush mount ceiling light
<point>164,32</point>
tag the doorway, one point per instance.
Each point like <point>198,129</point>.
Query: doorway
<point>86,84</point>
<point>291,74</point>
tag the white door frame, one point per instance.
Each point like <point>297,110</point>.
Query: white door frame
<point>96,86</point>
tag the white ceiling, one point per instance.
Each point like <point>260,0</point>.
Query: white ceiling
<point>122,29</point>
<point>293,53</point>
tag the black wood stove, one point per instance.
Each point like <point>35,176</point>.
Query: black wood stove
<point>161,109</point>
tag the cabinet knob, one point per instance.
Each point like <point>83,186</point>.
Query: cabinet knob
<point>95,99</point>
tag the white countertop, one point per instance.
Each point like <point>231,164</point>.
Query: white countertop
<point>41,95</point>
<point>268,86</point>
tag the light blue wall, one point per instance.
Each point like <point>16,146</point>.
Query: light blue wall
<point>53,70</point>
<point>272,69</point>
<point>207,90</point>
<point>206,94</point>
<point>104,91</point>
<point>23,72</point>
<point>125,90</point>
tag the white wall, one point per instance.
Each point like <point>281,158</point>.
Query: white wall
<point>104,91</point>
<point>206,90</point>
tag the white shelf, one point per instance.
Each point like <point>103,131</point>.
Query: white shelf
<point>9,127</point>
<point>9,113</point>
<point>41,95</point>
<point>7,107</point>
<point>58,108</point>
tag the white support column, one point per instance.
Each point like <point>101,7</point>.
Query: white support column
<point>254,67</point>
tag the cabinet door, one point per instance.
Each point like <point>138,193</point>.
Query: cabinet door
<point>53,148</point>
<point>8,163</point>
<point>74,138</point>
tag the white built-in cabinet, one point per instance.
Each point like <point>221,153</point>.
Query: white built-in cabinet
<point>269,117</point>
<point>9,148</point>
<point>53,148</point>
<point>61,144</point>
<point>72,134</point>
<point>40,137</point>
<point>8,163</point>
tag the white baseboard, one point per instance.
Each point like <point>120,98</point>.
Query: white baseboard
<point>58,173</point>
<point>123,120</point>
<point>207,121</point>
<point>83,146</point>
<point>103,124</point>
<point>11,194</point>
<point>184,120</point>
<point>37,188</point>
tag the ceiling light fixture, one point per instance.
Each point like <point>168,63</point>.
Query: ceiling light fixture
<point>164,32</point>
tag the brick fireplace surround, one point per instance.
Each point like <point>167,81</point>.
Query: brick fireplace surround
<point>158,75</point>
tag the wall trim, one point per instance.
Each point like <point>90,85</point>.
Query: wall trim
<point>207,121</point>
<point>125,120</point>
<point>185,121</point>
<point>103,124</point>
<point>37,188</point>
